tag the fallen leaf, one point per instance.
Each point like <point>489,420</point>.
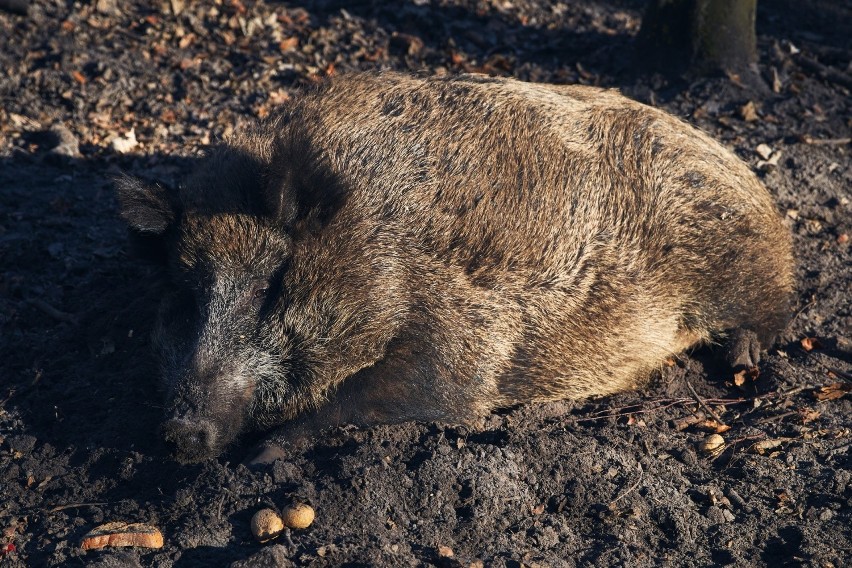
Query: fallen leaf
<point>288,44</point>
<point>832,391</point>
<point>810,343</point>
<point>809,414</point>
<point>126,143</point>
<point>186,40</point>
<point>168,116</point>
<point>746,375</point>
<point>79,77</point>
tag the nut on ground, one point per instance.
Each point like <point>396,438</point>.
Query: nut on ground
<point>266,525</point>
<point>299,516</point>
<point>712,444</point>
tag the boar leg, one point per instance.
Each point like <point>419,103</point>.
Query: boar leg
<point>408,385</point>
<point>742,349</point>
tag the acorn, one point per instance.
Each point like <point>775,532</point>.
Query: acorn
<point>266,525</point>
<point>712,444</point>
<point>298,516</point>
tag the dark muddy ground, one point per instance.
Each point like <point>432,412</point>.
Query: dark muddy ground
<point>617,481</point>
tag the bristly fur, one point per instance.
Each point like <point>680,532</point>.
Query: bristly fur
<point>391,248</point>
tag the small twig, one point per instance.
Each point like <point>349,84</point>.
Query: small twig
<point>782,394</point>
<point>842,374</point>
<point>73,506</point>
<point>825,71</point>
<point>825,141</point>
<point>776,418</point>
<point>840,448</point>
<point>622,412</point>
<point>687,421</point>
<point>630,489</point>
<point>664,403</point>
<point>219,508</point>
<point>703,405</point>
<point>53,312</point>
<point>8,398</point>
<point>801,311</point>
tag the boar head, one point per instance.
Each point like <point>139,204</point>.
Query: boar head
<point>275,295</point>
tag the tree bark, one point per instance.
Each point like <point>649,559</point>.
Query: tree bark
<point>699,36</point>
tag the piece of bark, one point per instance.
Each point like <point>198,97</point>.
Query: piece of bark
<point>118,533</point>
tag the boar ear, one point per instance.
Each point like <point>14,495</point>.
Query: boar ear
<point>146,207</point>
<point>301,187</point>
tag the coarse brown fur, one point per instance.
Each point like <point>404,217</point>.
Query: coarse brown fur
<point>390,248</point>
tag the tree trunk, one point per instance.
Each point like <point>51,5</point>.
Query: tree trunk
<point>699,36</point>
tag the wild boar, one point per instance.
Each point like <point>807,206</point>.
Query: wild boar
<point>389,248</point>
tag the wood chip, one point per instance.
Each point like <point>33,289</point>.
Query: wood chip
<point>764,151</point>
<point>118,533</point>
<point>764,446</point>
<point>748,112</point>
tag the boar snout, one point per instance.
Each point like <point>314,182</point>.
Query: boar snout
<point>191,440</point>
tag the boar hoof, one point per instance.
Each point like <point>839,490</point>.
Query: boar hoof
<point>742,349</point>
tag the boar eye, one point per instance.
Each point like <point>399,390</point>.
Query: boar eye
<point>259,295</point>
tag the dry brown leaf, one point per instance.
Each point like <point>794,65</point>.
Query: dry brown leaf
<point>810,343</point>
<point>832,391</point>
<point>187,40</point>
<point>746,375</point>
<point>288,44</point>
<point>809,414</point>
<point>79,77</point>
